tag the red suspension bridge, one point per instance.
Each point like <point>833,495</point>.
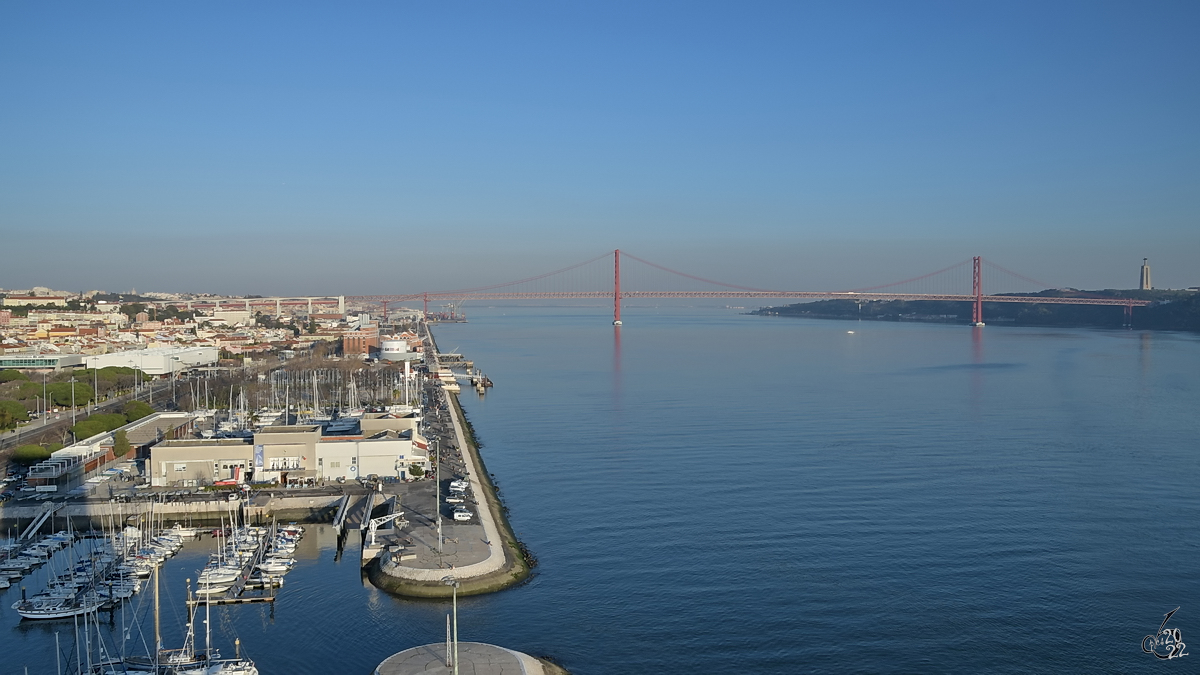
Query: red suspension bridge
<point>581,281</point>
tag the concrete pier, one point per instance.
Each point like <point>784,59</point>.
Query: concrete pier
<point>93,513</point>
<point>494,561</point>
<point>483,562</point>
<point>473,657</point>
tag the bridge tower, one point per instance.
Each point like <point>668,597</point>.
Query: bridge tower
<point>617,287</point>
<point>977,291</point>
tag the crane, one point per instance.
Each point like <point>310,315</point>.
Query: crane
<point>382,520</point>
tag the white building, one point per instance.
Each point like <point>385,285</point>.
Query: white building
<point>289,455</point>
<point>388,453</point>
<point>158,361</point>
<point>40,361</point>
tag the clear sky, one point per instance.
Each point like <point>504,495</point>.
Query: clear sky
<point>389,147</point>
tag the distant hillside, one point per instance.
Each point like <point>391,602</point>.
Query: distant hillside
<point>1173,310</point>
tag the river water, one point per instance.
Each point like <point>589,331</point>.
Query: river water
<point>712,492</point>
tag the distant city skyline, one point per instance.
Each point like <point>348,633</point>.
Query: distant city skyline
<point>311,149</point>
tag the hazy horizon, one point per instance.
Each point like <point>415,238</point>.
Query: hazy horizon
<point>284,148</point>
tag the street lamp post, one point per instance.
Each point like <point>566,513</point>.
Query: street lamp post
<point>74,436</point>
<point>437,493</point>
<point>453,584</point>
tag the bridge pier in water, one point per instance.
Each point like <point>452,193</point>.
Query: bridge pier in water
<point>617,287</point>
<point>977,291</point>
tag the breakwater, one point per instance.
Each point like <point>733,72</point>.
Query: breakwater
<point>506,564</point>
<point>86,515</point>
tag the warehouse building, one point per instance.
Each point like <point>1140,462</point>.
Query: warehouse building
<point>159,361</point>
<point>288,455</point>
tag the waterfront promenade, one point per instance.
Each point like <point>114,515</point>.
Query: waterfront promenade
<point>476,658</point>
<point>484,562</point>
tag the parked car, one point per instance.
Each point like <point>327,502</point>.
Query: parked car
<point>462,515</point>
<point>456,498</point>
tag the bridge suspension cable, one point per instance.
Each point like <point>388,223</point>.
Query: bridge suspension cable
<point>1022,277</point>
<point>914,279</point>
<point>696,278</point>
<point>506,290</point>
<point>469,291</point>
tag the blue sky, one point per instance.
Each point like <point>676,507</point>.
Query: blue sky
<point>394,147</point>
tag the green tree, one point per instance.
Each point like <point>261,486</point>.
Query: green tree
<point>16,409</point>
<point>110,421</point>
<point>172,312</point>
<point>132,309</point>
<point>107,379</point>
<point>136,410</point>
<point>416,471</point>
<point>30,454</point>
<point>12,375</point>
<point>98,424</point>
<point>121,445</point>
<point>12,412</point>
<point>60,393</point>
<point>87,429</point>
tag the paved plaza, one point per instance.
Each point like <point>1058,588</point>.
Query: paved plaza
<point>474,658</point>
<point>463,543</point>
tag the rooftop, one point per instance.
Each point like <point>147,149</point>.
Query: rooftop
<point>190,442</point>
<point>289,429</point>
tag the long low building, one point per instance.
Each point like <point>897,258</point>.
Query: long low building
<point>291,455</point>
<point>159,361</point>
<point>69,467</point>
<point>40,361</point>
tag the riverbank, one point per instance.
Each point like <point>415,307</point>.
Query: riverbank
<point>1172,310</point>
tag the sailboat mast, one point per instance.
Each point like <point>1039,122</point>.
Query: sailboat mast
<point>157,623</point>
<point>207,625</point>
<point>78,657</point>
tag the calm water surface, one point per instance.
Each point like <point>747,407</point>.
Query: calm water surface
<point>709,492</point>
